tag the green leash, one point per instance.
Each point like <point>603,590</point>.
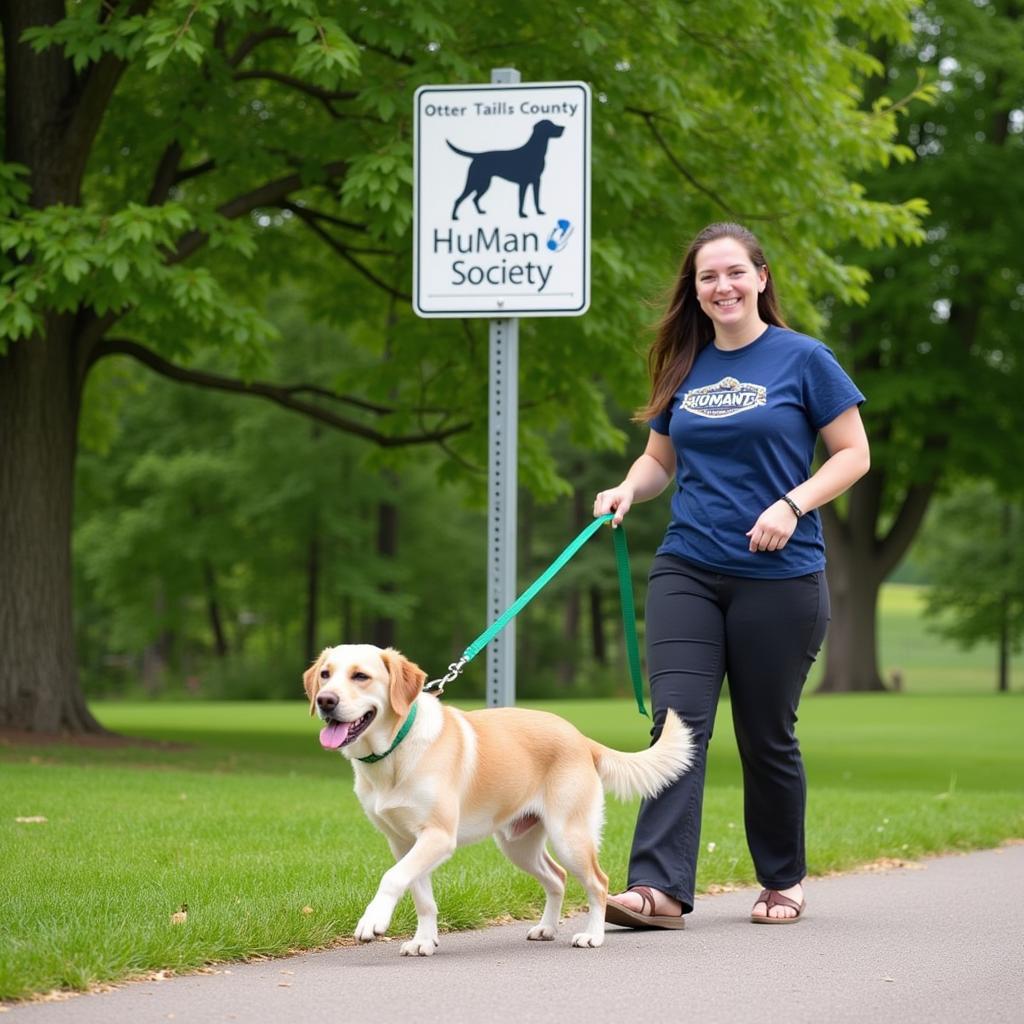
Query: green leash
<point>625,593</point>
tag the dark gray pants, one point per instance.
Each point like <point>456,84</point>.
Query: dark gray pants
<point>764,635</point>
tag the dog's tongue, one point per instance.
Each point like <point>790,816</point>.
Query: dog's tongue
<point>334,735</point>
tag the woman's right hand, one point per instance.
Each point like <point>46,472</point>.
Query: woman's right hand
<point>618,500</point>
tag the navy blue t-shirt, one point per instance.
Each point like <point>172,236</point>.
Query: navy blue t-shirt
<point>744,425</point>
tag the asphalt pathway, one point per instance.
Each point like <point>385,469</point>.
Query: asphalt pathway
<point>938,941</point>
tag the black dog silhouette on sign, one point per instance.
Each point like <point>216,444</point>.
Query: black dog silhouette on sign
<point>523,166</point>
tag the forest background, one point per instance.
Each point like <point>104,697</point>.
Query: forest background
<point>225,440</point>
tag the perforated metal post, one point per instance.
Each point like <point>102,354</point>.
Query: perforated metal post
<point>502,487</point>
<point>502,514</point>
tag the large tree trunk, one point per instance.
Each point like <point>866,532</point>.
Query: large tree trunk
<point>851,653</point>
<point>39,403</point>
<point>50,120</point>
<point>858,563</point>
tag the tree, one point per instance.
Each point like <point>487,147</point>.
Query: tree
<point>167,161</point>
<point>937,349</point>
<point>190,501</point>
<point>972,552</point>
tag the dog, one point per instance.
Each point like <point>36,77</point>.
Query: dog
<point>522,166</point>
<point>452,778</point>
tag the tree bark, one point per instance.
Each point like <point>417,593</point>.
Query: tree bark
<point>855,574</point>
<point>858,563</point>
<point>851,653</point>
<point>220,640</point>
<point>40,391</point>
<point>40,396</point>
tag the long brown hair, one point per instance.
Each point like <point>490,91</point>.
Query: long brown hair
<point>685,328</point>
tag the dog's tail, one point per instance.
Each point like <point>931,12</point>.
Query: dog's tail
<point>649,771</point>
<point>461,152</point>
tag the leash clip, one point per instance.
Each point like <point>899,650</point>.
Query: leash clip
<point>454,671</point>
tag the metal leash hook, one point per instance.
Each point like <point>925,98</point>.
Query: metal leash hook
<point>454,671</point>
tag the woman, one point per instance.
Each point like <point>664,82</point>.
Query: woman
<point>737,587</point>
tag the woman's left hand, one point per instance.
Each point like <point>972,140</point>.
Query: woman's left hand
<point>774,526</point>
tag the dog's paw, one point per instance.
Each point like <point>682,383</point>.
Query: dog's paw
<point>371,926</point>
<point>587,940</point>
<point>365,933</point>
<point>419,947</point>
<point>541,933</point>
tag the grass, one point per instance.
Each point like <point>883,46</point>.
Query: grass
<point>235,810</point>
<point>254,823</point>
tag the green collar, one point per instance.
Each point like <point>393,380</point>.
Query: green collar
<point>402,733</point>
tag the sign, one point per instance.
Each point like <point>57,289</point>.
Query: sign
<point>501,204</point>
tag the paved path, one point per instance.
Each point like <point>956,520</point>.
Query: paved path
<point>938,942</point>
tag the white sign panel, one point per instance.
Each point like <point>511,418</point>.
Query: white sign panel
<point>502,200</point>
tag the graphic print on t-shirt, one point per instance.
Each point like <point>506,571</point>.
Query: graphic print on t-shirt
<point>726,398</point>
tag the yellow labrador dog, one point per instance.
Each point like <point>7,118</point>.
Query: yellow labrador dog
<point>432,778</point>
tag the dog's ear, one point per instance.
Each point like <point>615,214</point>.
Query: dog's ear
<point>406,680</point>
<point>311,680</point>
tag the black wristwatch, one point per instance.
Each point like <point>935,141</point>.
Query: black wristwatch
<point>797,511</point>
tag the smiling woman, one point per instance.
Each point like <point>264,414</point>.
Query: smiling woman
<point>738,401</point>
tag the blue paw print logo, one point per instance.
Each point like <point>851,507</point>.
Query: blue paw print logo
<point>559,237</point>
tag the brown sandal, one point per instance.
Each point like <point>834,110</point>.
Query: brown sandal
<point>772,898</point>
<point>615,913</point>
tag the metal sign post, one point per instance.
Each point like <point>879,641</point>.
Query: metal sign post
<point>502,511</point>
<point>519,248</point>
<point>502,491</point>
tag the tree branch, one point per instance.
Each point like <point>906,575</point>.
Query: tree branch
<point>330,218</point>
<point>359,403</point>
<point>253,40</point>
<point>905,526</point>
<point>94,89</point>
<point>343,252</point>
<point>166,174</point>
<point>649,118</point>
<point>325,96</point>
<point>195,170</point>
<point>283,396</point>
<point>272,193</point>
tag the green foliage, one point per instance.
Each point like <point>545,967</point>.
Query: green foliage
<point>973,549</point>
<point>233,94</point>
<point>938,347</point>
<point>117,262</point>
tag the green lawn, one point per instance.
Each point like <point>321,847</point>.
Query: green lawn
<point>235,810</point>
<point>253,822</point>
